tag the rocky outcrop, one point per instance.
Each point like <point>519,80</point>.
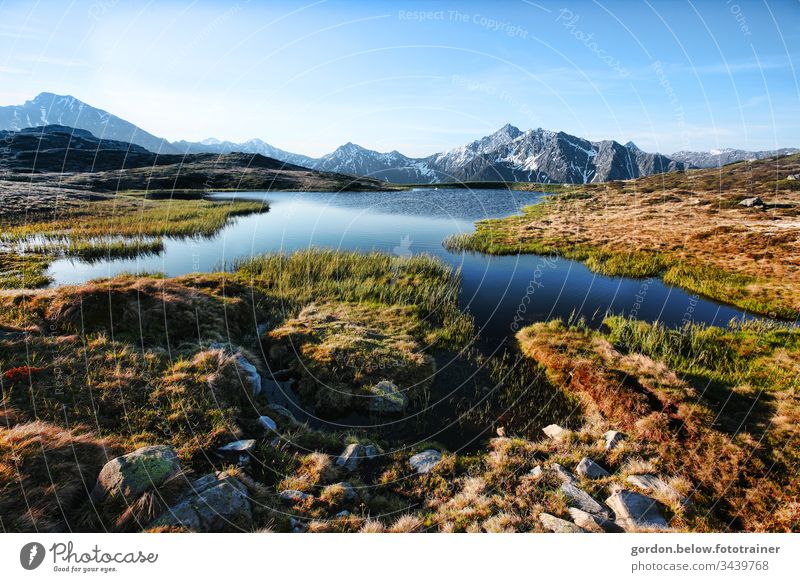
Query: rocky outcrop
<point>128,476</point>
<point>217,502</point>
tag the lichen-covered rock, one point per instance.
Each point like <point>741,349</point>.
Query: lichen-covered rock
<point>130,475</point>
<point>591,470</point>
<point>217,502</point>
<point>558,525</point>
<point>635,511</point>
<point>386,398</point>
<point>425,461</point>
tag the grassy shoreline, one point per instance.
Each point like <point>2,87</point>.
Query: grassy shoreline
<point>123,227</point>
<point>699,239</point>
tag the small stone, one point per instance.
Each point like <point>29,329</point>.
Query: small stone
<point>636,511</point>
<point>298,525</point>
<point>591,470</point>
<point>241,446</point>
<point>250,372</point>
<point>555,432</point>
<point>536,472</point>
<point>582,500</point>
<point>292,496</point>
<point>752,202</point>
<point>128,476</point>
<point>558,525</point>
<point>267,423</point>
<point>343,514</point>
<point>425,461</point>
<point>564,475</point>
<point>237,451</point>
<point>351,457</point>
<point>613,439</point>
<point>370,452</point>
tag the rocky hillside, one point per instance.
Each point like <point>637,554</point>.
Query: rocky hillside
<point>78,159</point>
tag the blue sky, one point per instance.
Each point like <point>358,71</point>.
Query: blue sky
<point>418,77</point>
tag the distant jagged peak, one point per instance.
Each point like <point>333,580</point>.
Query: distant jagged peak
<point>632,146</point>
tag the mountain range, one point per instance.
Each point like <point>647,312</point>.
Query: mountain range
<point>508,154</point>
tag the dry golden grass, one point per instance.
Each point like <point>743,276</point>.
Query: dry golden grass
<point>738,466</point>
<point>46,473</point>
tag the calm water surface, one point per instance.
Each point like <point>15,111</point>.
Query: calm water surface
<point>503,293</point>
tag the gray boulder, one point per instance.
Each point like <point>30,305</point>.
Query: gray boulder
<point>386,398</point>
<point>558,525</point>
<point>425,461</point>
<point>593,523</point>
<point>130,475</point>
<point>583,501</point>
<point>591,470</point>
<point>635,511</point>
<point>217,502</point>
<point>351,457</point>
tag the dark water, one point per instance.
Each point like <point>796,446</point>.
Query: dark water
<point>503,293</point>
